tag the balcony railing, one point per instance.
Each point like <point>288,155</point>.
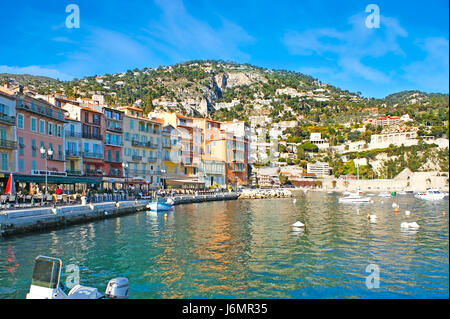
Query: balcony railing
<point>92,136</point>
<point>73,153</point>
<point>94,173</point>
<point>113,160</point>
<point>152,159</point>
<point>114,129</point>
<point>8,144</point>
<point>68,133</point>
<point>113,144</point>
<point>73,172</point>
<point>93,155</point>
<point>136,158</point>
<point>7,119</point>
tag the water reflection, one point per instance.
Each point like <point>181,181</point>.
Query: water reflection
<point>248,249</point>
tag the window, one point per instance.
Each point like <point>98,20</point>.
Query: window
<point>126,136</point>
<point>109,155</point>
<point>33,148</point>
<point>42,126</point>
<point>20,121</point>
<point>86,147</point>
<point>60,153</point>
<point>4,164</point>
<point>33,124</point>
<point>131,124</point>
<point>21,146</point>
<point>33,165</point>
<point>117,156</point>
<point>21,164</point>
<point>59,131</point>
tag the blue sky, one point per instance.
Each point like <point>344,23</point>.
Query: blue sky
<point>326,39</point>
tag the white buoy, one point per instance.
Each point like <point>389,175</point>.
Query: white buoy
<point>357,211</point>
<point>298,224</point>
<point>294,201</point>
<point>407,213</point>
<point>395,205</point>
<point>372,218</point>
<point>406,225</point>
<point>297,229</point>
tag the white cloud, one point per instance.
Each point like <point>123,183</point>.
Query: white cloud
<point>35,70</point>
<point>349,48</point>
<point>432,73</point>
<point>182,36</point>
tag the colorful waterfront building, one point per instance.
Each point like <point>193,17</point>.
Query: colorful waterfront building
<point>171,150</point>
<point>191,143</point>
<point>40,125</point>
<point>113,147</point>
<point>211,167</point>
<point>142,149</point>
<point>8,134</point>
<point>73,147</point>
<point>233,147</point>
<point>91,118</point>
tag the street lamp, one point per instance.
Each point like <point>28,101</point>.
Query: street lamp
<point>125,169</point>
<point>47,156</point>
<point>163,171</point>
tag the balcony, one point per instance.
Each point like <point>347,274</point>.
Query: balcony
<point>113,160</point>
<point>92,136</point>
<point>109,143</point>
<point>94,173</point>
<point>114,128</point>
<point>42,112</point>
<point>93,155</point>
<point>152,159</point>
<point>11,120</point>
<point>167,144</point>
<point>73,172</point>
<point>8,144</point>
<point>136,158</point>
<point>73,153</point>
<point>68,133</point>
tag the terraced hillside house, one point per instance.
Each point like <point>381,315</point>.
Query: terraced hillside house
<point>142,149</point>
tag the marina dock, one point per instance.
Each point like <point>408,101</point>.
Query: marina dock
<point>45,218</point>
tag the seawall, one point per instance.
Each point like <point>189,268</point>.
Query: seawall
<point>45,218</point>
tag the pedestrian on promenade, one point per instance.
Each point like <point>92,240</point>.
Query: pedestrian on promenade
<point>58,191</point>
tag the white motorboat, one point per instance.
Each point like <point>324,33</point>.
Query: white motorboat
<point>385,195</point>
<point>431,194</point>
<point>354,198</point>
<point>46,284</point>
<point>159,205</point>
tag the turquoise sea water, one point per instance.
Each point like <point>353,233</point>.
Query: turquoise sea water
<point>247,249</point>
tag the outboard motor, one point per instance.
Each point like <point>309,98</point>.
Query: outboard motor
<point>117,288</point>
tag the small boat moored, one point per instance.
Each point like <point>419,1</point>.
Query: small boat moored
<point>431,194</point>
<point>353,198</point>
<point>46,284</point>
<point>159,204</point>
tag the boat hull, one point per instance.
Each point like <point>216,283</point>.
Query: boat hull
<point>354,200</point>
<point>159,207</point>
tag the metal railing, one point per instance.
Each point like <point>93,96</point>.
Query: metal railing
<point>8,144</point>
<point>92,136</point>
